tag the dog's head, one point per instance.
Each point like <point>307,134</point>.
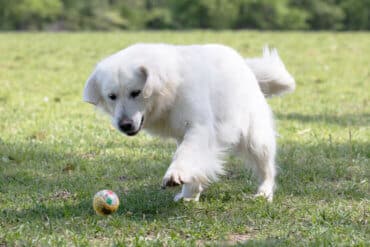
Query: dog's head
<point>124,91</point>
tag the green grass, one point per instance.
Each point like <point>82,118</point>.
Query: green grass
<point>55,152</point>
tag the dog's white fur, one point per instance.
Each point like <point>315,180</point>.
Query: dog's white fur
<point>207,97</point>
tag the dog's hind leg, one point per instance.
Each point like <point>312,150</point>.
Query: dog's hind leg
<point>189,192</point>
<point>260,149</point>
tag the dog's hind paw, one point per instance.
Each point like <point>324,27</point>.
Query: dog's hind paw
<point>268,197</point>
<point>189,192</point>
<point>180,196</point>
<point>266,190</point>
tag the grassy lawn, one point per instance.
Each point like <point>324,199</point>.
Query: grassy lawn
<point>56,152</point>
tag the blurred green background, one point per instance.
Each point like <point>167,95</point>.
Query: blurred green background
<point>59,15</point>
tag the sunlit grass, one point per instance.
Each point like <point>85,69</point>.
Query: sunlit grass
<point>55,152</point>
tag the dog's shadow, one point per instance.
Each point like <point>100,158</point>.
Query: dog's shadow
<point>148,200</point>
<point>148,203</point>
<point>48,184</point>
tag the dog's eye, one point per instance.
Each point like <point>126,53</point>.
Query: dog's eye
<point>112,96</point>
<point>135,93</point>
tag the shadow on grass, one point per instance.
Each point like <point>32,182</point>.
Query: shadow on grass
<point>35,177</point>
<point>321,171</point>
<point>138,205</point>
<point>342,120</point>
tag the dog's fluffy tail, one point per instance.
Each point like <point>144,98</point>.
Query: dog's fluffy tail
<point>271,73</point>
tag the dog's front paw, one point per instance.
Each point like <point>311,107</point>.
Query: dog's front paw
<point>173,178</point>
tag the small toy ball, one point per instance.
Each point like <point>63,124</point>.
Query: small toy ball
<point>105,202</point>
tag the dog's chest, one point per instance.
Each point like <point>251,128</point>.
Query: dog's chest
<point>168,127</point>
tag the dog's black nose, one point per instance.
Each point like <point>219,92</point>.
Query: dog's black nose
<point>126,125</point>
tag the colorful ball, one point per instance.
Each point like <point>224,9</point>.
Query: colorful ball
<point>105,202</point>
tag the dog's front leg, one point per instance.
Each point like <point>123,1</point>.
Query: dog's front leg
<point>195,163</point>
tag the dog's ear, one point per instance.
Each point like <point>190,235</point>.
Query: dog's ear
<point>152,81</point>
<point>91,92</point>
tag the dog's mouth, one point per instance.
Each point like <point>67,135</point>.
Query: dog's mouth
<point>132,133</point>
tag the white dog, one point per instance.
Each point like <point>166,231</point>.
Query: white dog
<point>207,97</point>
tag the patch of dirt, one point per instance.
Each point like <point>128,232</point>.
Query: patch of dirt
<point>238,238</point>
<point>232,239</point>
<point>62,194</point>
<point>69,168</point>
<point>88,156</point>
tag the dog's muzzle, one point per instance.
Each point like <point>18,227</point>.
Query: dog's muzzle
<point>127,126</point>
